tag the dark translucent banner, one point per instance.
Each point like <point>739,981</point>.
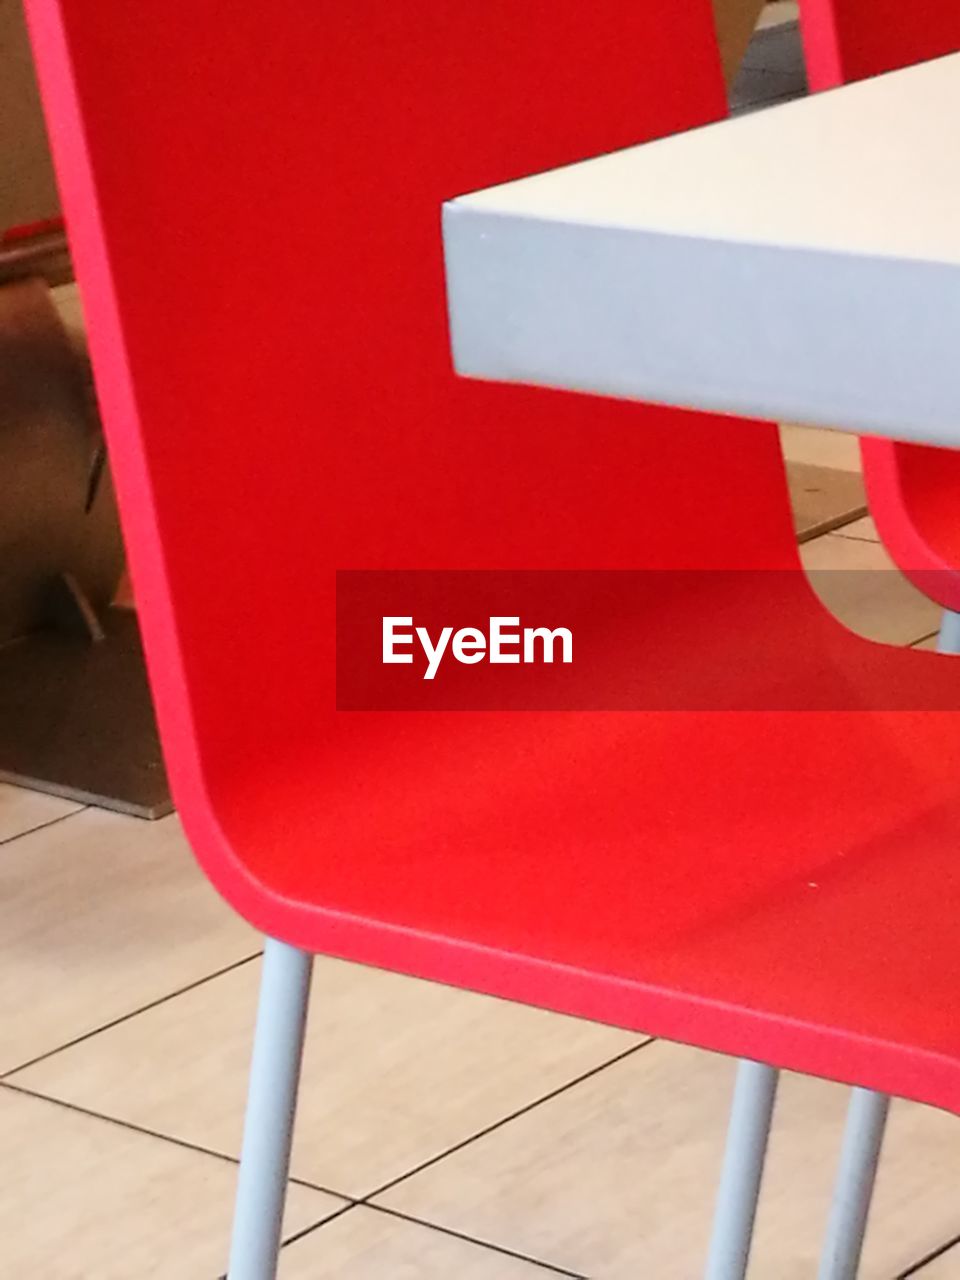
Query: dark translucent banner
<point>615,640</point>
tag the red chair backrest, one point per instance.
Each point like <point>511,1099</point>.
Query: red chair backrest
<point>254,196</point>
<point>851,39</point>
<point>913,490</point>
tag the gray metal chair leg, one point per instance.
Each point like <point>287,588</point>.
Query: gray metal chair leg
<point>271,1103</point>
<point>949,638</point>
<point>750,1118</point>
<point>866,1121</point>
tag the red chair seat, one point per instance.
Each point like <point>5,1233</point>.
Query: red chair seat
<point>782,885</point>
<point>254,208</point>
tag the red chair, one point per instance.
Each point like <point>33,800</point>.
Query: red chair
<point>254,210</point>
<point>912,489</point>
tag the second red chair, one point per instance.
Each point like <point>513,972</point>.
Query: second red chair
<point>913,490</point>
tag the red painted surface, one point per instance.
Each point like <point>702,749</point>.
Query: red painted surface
<point>30,229</point>
<point>914,496</point>
<point>852,39</point>
<point>254,211</point>
<point>913,490</point>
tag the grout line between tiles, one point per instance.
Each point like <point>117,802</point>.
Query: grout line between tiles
<point>305,1231</point>
<point>133,1013</point>
<point>505,1120</point>
<point>853,537</point>
<point>831,526</point>
<point>185,1143</point>
<point>484,1244</point>
<point>42,826</point>
<point>488,1245</point>
<point>920,640</point>
<point>351,1202</point>
<point>932,1256</point>
<point>8,1084</point>
<point>113,1120</point>
<point>348,1202</point>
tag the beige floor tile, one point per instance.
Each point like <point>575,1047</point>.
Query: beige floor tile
<point>396,1070</point>
<point>823,498</point>
<point>863,530</point>
<point>616,1177</point>
<point>859,584</point>
<point>930,644</point>
<point>99,915</point>
<point>22,810</point>
<point>946,1267</point>
<point>818,448</point>
<point>366,1245</point>
<point>87,1200</point>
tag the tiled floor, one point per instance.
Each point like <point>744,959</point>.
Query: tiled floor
<point>487,1141</point>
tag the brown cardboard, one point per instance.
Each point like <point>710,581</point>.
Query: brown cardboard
<point>735,21</point>
<point>28,191</point>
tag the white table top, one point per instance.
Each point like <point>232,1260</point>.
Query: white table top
<point>800,263</point>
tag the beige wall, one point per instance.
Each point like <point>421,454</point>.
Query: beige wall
<point>27,188</point>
